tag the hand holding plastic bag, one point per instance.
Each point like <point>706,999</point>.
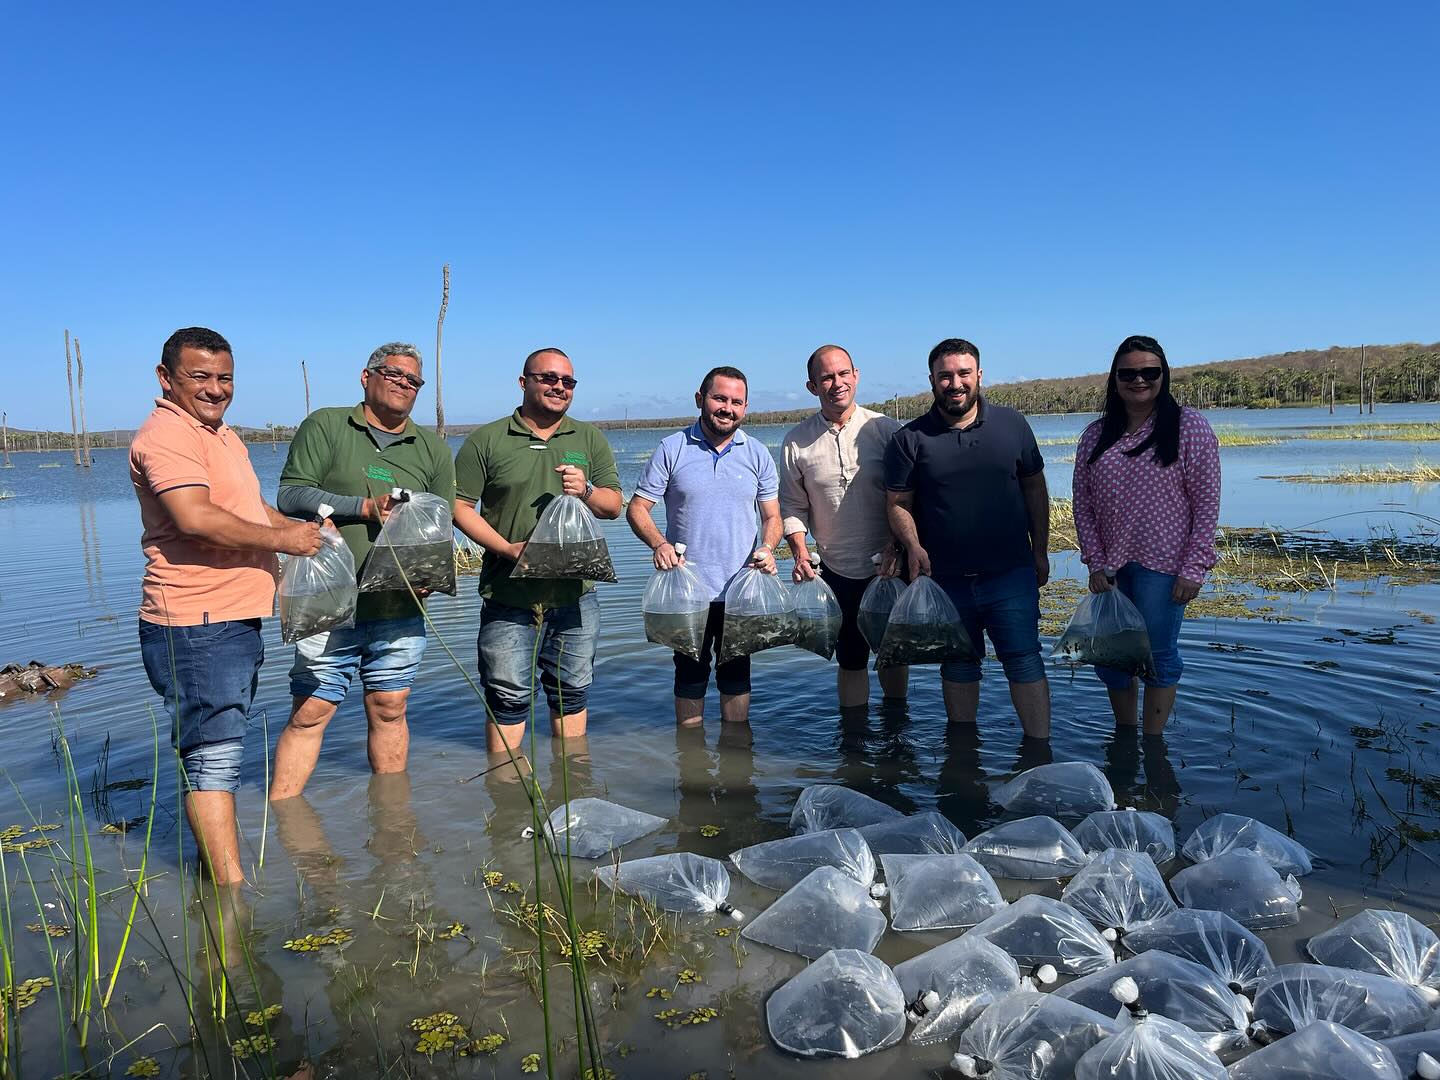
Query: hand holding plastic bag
<point>415,548</point>
<point>317,592</point>
<point>676,606</point>
<point>566,544</point>
<point>1107,630</point>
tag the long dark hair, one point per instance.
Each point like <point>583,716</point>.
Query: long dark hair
<point>1164,435</point>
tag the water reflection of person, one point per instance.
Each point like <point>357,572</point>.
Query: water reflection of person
<point>726,797</point>
<point>1124,755</point>
<point>879,758</point>
<point>961,793</point>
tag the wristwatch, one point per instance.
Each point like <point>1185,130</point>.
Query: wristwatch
<point>589,490</point>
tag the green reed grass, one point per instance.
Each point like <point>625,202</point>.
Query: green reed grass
<point>1419,473</point>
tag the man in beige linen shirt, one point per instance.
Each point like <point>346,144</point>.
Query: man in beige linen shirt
<point>832,485</point>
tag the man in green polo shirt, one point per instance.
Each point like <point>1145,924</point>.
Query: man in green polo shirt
<point>505,475</point>
<point>350,459</point>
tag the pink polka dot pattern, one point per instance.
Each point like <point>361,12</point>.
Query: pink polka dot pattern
<point>1130,509</point>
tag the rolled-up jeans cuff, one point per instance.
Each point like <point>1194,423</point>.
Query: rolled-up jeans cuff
<point>690,691</point>
<point>214,766</point>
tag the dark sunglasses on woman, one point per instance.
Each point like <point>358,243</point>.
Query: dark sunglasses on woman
<point>1130,374</point>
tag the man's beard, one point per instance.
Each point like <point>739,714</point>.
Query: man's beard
<point>956,406</point>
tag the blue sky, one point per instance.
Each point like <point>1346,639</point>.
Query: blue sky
<point>657,189</point>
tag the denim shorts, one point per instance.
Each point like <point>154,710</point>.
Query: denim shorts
<point>565,664</point>
<point>693,676</point>
<point>207,675</point>
<point>386,653</point>
<point>1151,593</point>
<point>1005,605</point>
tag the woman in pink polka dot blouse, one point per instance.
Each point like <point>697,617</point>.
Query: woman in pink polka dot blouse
<point>1147,501</point>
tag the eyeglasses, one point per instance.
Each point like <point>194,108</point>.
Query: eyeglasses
<point>549,378</point>
<point>400,378</point>
<point>1130,374</point>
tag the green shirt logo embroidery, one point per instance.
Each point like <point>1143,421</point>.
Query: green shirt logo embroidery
<point>380,473</point>
<point>574,457</point>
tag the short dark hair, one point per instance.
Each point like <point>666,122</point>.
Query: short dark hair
<point>193,337</point>
<point>722,372</point>
<point>954,346</point>
<point>821,351</point>
<point>541,352</point>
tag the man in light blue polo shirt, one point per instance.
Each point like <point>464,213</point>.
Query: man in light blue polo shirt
<point>712,478</point>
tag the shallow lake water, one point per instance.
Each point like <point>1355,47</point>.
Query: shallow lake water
<point>1325,726</point>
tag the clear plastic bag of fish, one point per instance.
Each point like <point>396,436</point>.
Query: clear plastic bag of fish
<point>818,615</point>
<point>759,615</point>
<point>1107,630</point>
<point>1152,1048</point>
<point>1386,943</point>
<point>828,910</point>
<point>930,833</point>
<point>1030,1036</point>
<point>782,864</point>
<point>938,892</point>
<point>1418,1054</point>
<point>317,592</point>
<point>1040,932</point>
<point>1179,990</point>
<point>415,548</point>
<point>681,881</point>
<point>1233,832</point>
<point>566,543</point>
<point>1294,995</point>
<point>846,1004</point>
<point>1030,849</point>
<point>1062,789</point>
<point>949,986</point>
<point>924,628</point>
<point>1118,889</point>
<point>830,806</point>
<point>1211,939</point>
<point>675,607</point>
<point>1320,1051</point>
<point>1242,885</point>
<point>594,827</point>
<point>876,603</point>
<point>1130,829</point>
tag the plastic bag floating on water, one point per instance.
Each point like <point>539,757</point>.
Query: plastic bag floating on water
<point>1385,943</point>
<point>566,543</point>
<point>1030,1036</point>
<point>675,607</point>
<point>1107,630</point>
<point>1211,939</point>
<point>1320,1051</point>
<point>964,975</point>
<point>759,615</point>
<point>830,806</point>
<point>1242,885</point>
<point>1232,832</point>
<point>930,833</point>
<point>1131,830</point>
<point>1031,849</point>
<point>595,827</point>
<point>876,603</point>
<point>681,881</point>
<point>1118,889</point>
<point>828,910</point>
<point>1294,995</point>
<point>939,892</point>
<point>846,1004</point>
<point>1153,1048</point>
<point>1179,990</point>
<point>818,615</point>
<point>415,548</point>
<point>781,864</point>
<point>317,592</point>
<point>1408,1050</point>
<point>924,628</point>
<point>1037,930</point>
<point>1066,788</point>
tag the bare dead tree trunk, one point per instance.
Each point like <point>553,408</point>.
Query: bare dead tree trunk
<point>305,377</point>
<point>1374,389</point>
<point>80,389</point>
<point>5,426</point>
<point>1332,387</point>
<point>439,334</point>
<point>70,381</point>
<point>1362,380</point>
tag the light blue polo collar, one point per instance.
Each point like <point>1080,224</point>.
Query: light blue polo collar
<point>697,436</point>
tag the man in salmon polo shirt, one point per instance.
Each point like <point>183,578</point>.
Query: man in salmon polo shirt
<point>210,570</point>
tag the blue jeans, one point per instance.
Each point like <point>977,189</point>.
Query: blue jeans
<point>386,653</point>
<point>1151,593</point>
<point>1006,605</point>
<point>566,660</point>
<point>207,675</point>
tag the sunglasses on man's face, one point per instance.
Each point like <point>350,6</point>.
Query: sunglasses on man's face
<point>549,378</point>
<point>1130,374</point>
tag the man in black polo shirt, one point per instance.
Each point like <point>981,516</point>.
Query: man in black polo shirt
<point>967,501</point>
